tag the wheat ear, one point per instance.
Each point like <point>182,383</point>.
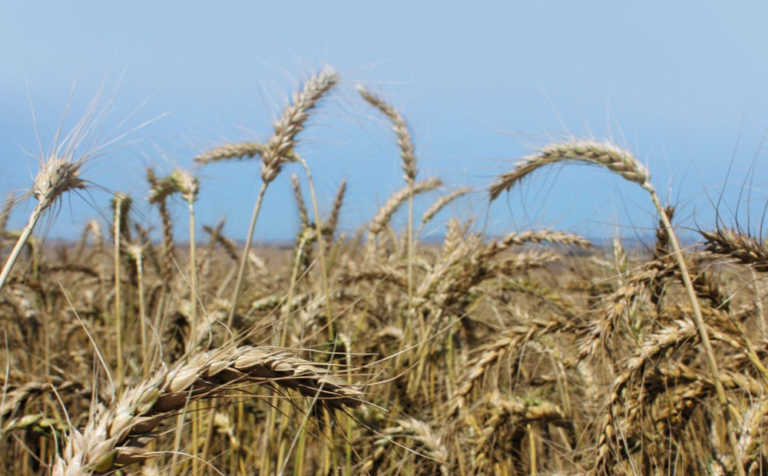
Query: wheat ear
<point>239,150</point>
<point>390,207</point>
<point>333,218</point>
<point>300,203</point>
<point>160,190</point>
<point>592,152</point>
<point>58,175</point>
<point>537,236</point>
<point>279,148</point>
<point>441,203</point>
<point>400,127</point>
<point>625,164</point>
<point>408,155</point>
<point>109,438</point>
<point>742,247</point>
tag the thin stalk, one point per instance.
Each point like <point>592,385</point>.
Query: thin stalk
<point>20,242</point>
<point>292,289</point>
<point>266,450</point>
<point>410,246</point>
<point>177,440</point>
<point>142,313</point>
<point>702,329</point>
<point>195,437</point>
<point>302,429</point>
<point>279,439</point>
<point>246,249</point>
<point>192,270</point>
<point>209,431</point>
<point>349,419</point>
<point>531,449</point>
<point>320,247</point>
<point>196,419</point>
<point>298,465</point>
<point>118,308</point>
<point>240,418</point>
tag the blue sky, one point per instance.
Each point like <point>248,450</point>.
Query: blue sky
<point>682,84</point>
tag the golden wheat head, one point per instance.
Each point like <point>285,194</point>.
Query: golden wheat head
<point>599,153</point>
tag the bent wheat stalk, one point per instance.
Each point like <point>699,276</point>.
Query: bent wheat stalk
<point>592,152</point>
<point>408,154</point>
<point>625,164</point>
<point>108,440</point>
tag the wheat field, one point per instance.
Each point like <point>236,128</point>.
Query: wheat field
<point>375,352</point>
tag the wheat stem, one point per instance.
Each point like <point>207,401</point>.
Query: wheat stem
<point>20,242</point>
<point>137,253</point>
<point>320,246</point>
<point>142,314</point>
<point>246,250</point>
<point>702,329</point>
<point>118,202</point>
<point>625,164</point>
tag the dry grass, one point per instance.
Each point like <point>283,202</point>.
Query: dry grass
<point>515,355</point>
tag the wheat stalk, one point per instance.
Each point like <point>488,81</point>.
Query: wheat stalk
<point>121,204</point>
<point>189,187</point>
<point>278,150</point>
<point>408,156</point>
<point>626,165</point>
<point>136,251</point>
